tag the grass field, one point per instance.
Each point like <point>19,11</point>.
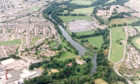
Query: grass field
<point>82,2</point>
<point>83,11</point>
<point>110,1</point>
<point>136,42</point>
<point>138,28</point>
<point>85,33</point>
<point>100,81</point>
<point>34,8</point>
<point>122,20</point>
<point>66,55</point>
<point>66,19</point>
<point>13,42</point>
<point>118,36</point>
<point>53,44</point>
<point>34,40</point>
<point>95,41</point>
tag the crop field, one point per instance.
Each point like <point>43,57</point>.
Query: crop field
<point>95,41</point>
<point>83,11</point>
<point>136,42</point>
<point>85,33</point>
<point>13,42</point>
<point>67,19</point>
<point>118,36</point>
<point>82,2</point>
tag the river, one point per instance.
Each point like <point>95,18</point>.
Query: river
<point>78,47</point>
<point>75,44</point>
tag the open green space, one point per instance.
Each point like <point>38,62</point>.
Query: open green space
<point>53,44</point>
<point>110,1</point>
<point>34,40</point>
<point>83,11</point>
<point>13,42</point>
<point>82,2</point>
<point>85,33</point>
<point>136,42</point>
<point>122,20</point>
<point>66,19</point>
<point>34,8</point>
<point>138,28</point>
<point>95,41</point>
<point>118,36</point>
<point>136,82</point>
<point>66,55</point>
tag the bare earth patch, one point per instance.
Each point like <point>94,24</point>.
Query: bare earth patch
<point>80,25</point>
<point>79,60</point>
<point>100,81</point>
<point>54,70</point>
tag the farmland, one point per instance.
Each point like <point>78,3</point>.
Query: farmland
<point>118,37</point>
<point>82,2</point>
<point>85,33</point>
<point>83,11</point>
<point>67,19</point>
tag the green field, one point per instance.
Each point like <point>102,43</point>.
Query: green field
<point>34,8</point>
<point>13,42</point>
<point>122,20</point>
<point>136,42</point>
<point>66,19</point>
<point>85,33</point>
<point>34,40</point>
<point>118,36</point>
<point>110,1</point>
<point>82,2</point>
<point>83,11</point>
<point>95,41</point>
<point>66,55</point>
<point>138,28</point>
<point>53,44</point>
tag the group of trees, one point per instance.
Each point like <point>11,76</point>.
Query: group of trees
<point>119,15</point>
<point>10,56</point>
<point>97,17</point>
<point>66,74</point>
<point>80,14</point>
<point>105,71</point>
<point>117,2</point>
<point>130,41</point>
<point>98,32</point>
